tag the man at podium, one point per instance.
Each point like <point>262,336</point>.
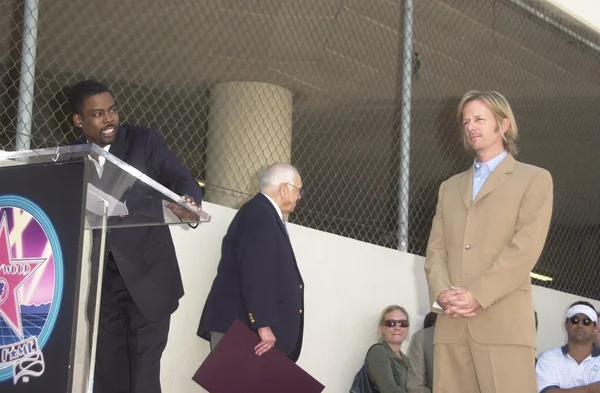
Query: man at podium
<point>141,284</point>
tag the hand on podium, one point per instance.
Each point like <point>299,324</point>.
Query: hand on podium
<point>183,213</point>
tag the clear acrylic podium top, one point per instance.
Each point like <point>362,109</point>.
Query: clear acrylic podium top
<point>130,197</point>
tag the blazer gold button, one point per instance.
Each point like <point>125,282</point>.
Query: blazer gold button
<point>300,312</point>
<point>301,286</point>
<point>467,247</point>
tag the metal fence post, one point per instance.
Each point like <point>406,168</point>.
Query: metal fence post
<point>404,181</point>
<point>27,75</point>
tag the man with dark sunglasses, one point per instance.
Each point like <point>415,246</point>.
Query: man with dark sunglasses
<point>574,367</point>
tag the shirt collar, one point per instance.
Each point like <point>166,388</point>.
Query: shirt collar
<point>493,163</point>
<point>106,148</point>
<point>274,205</point>
<point>595,350</point>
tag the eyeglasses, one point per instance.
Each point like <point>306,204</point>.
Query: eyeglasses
<point>393,322</point>
<point>575,320</point>
<point>300,190</point>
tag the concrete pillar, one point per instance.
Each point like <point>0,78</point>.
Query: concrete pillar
<point>249,128</point>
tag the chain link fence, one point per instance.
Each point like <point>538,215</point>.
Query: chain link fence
<point>234,85</point>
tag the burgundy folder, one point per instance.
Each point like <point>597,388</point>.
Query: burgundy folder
<point>234,367</point>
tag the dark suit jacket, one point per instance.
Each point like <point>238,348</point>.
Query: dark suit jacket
<point>146,256</point>
<point>258,281</point>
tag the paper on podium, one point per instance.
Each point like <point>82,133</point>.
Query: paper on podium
<point>95,202</point>
<point>234,367</point>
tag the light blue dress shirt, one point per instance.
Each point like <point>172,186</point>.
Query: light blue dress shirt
<point>483,169</point>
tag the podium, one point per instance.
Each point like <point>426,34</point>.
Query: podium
<point>56,207</point>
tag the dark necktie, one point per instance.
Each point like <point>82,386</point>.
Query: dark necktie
<point>285,227</point>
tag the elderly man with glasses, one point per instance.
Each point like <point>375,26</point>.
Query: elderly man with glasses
<point>258,281</point>
<point>574,367</point>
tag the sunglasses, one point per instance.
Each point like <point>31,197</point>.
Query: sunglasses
<point>392,322</point>
<point>575,320</point>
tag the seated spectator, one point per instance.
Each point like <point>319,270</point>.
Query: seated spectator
<point>419,378</point>
<point>386,363</point>
<point>576,366</point>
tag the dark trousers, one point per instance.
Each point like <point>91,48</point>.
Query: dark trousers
<point>129,346</point>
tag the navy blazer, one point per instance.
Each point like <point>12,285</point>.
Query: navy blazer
<point>145,256</point>
<point>258,281</point>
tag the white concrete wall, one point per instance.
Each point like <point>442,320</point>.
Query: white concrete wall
<point>347,285</point>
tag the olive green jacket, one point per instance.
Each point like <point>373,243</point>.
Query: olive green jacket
<point>380,360</point>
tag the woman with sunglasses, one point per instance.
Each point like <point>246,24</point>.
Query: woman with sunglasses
<point>385,361</point>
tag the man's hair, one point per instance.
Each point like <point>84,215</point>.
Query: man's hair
<point>501,109</point>
<point>276,174</point>
<point>430,320</point>
<point>82,90</point>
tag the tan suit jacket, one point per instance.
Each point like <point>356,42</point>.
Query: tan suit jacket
<point>490,245</point>
<point>419,378</point>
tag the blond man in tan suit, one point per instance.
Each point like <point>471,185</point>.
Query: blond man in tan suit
<point>488,232</point>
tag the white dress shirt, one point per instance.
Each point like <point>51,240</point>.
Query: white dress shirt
<point>274,205</point>
<point>101,160</point>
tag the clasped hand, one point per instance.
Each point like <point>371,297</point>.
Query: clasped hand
<point>458,302</point>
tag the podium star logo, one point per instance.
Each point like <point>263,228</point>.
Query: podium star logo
<point>13,274</point>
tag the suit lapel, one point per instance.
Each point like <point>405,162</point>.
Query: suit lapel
<point>497,177</point>
<point>107,181</point>
<point>275,214</point>
<point>465,185</point>
<point>112,178</point>
<point>117,148</point>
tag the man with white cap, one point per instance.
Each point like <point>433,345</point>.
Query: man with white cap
<point>575,367</point>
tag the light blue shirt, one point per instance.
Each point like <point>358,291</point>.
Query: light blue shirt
<point>482,170</point>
